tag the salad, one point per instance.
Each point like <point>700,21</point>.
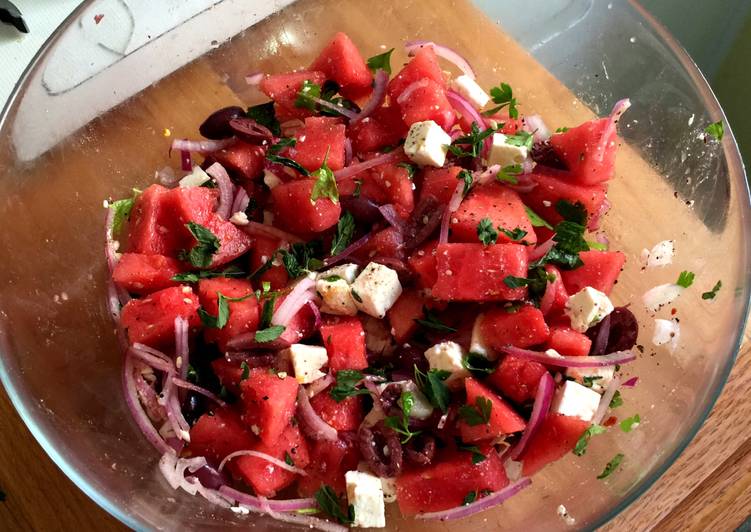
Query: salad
<point>379,287</point>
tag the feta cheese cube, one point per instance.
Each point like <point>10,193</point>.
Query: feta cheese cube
<point>599,377</point>
<point>337,298</point>
<point>270,179</point>
<point>505,154</point>
<point>239,218</point>
<point>573,399</point>
<point>587,307</point>
<point>348,272</point>
<point>365,494</point>
<point>471,91</point>
<point>421,408</point>
<point>194,179</point>
<point>447,356</point>
<point>307,361</point>
<point>427,144</point>
<point>376,289</point>
<point>477,342</point>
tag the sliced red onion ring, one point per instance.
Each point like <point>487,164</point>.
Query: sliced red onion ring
<point>453,205</point>
<point>539,252</point>
<point>226,189</point>
<point>148,398</point>
<point>290,127</point>
<point>263,456</point>
<point>494,499</point>
<point>319,385</point>
<point>619,357</point>
<point>630,383</point>
<point>596,218</point>
<point>390,215</point>
<point>180,383</point>
<point>254,78</point>
<point>380,82</point>
<point>182,352</point>
<point>350,114</point>
<point>154,352</point>
<point>618,109</point>
<point>241,201</point>
<point>259,229</point>
<point>316,313</point>
<point>534,124</point>
<point>200,146</point>
<point>603,335</point>
<point>152,361</point>
<point>551,290</point>
<point>295,300</point>
<point>442,51</point>
<point>465,108</point>
<point>252,502</point>
<point>513,469</point>
<point>174,412</point>
<point>346,252</point>
<point>347,151</point>
<point>173,468</point>
<point>391,157</point>
<point>486,176</point>
<point>607,396</point>
<point>136,410</point>
<point>540,409</point>
<point>186,161</point>
<point>313,425</point>
<point>411,88</point>
<point>304,520</point>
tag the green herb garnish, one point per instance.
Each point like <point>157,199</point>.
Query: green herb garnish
<point>535,219</point>
<point>712,293</point>
<point>508,174</point>
<point>220,320</point>
<point>611,466</point>
<point>477,414</point>
<point>617,400</point>
<point>477,456</point>
<point>469,498</point>
<point>685,279</point>
<point>329,503</point>
<point>288,459</point>
<point>477,363</point>
<point>523,139</point>
<point>432,385</point>
<point>269,334</point>
<point>265,115</point>
<point>472,142</point>
<point>207,244</point>
<point>716,130</point>
<point>325,185</point>
<point>562,129</point>
<point>356,296</point>
<point>466,176</point>
<point>346,382</point>
<point>410,168</point>
<point>122,209</point>
<point>400,425</point>
<point>246,370</point>
<point>380,61</point>
<point>486,233</point>
<point>503,95</point>
<point>516,234</point>
<point>630,423</point>
<point>581,446</point>
<point>194,277</point>
<point>589,380</point>
<point>286,161</point>
<point>301,258</point>
<point>431,321</point>
<point>345,229</point>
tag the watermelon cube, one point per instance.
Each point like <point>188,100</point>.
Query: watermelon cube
<point>232,241</point>
<point>147,233</point>
<point>269,403</point>
<point>424,264</point>
<point>344,339</point>
<point>151,320</point>
<point>556,437</point>
<point>407,309</point>
<point>522,327</point>
<point>568,342</point>
<point>424,65</point>
<point>243,161</point>
<point>588,150</point>
<point>321,138</point>
<point>264,249</point>
<point>439,183</point>
<point>329,461</point>
<point>243,315</point>
<point>284,88</point>
<point>600,271</point>
<point>502,420</point>
<point>345,415</point>
<point>395,186</point>
<point>385,243</point>
<point>427,101</point>
<point>501,205</point>
<point>142,274</point>
<point>183,205</point>
<point>517,379</point>
<point>341,61</point>
<point>473,272</point>
<point>384,127</point>
<point>294,212</point>
<point>218,434</point>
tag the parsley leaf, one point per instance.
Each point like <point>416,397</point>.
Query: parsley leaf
<point>477,414</point>
<point>194,277</point>
<point>716,130</point>
<point>581,446</point>
<point>685,279</point>
<point>286,161</point>
<point>122,210</point>
<point>630,423</point>
<point>207,244</point>
<point>301,258</point>
<point>381,61</point>
<point>220,320</point>
<point>535,219</point>
<point>569,237</point>
<point>310,95</point>
<point>617,400</point>
<point>516,235</point>
<point>477,363</point>
<point>712,293</point>
<point>504,96</point>
<point>265,115</point>
<point>432,385</point>
<point>599,246</point>
<point>466,176</point>
<point>508,174</point>
<point>269,334</point>
<point>469,498</point>
<point>410,168</point>
<point>431,321</point>
<point>573,212</point>
<point>474,140</point>
<point>611,466</point>
<point>308,91</point>
<point>477,456</point>
<point>288,459</point>
<point>246,370</point>
<point>282,143</point>
<point>329,503</point>
<point>523,139</point>
<point>536,282</point>
<point>268,311</point>
<point>589,380</point>
<point>486,233</point>
<point>325,185</point>
<point>562,129</point>
<point>358,186</point>
<point>346,380</point>
<point>400,425</point>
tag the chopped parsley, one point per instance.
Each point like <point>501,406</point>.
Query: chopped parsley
<point>569,237</point>
<point>431,321</point>
<point>265,115</point>
<point>523,139</point>
<point>581,446</point>
<point>432,385</point>
<point>486,233</point>
<point>469,498</point>
<point>308,91</point>
<point>535,219</point>
<point>346,382</point>
<point>310,95</point>
<point>562,129</point>
<point>466,176</point>
<point>381,62</point>
<point>685,279</point>
<point>477,363</point>
<point>246,370</point>
<point>516,235</point>
<point>329,503</point>
<point>286,161</point>
<point>597,245</point>
<point>288,459</point>
<point>325,185</point>
<point>410,168</point>
<point>194,277</point>
<point>508,174</point>
<point>220,320</point>
<point>358,186</point>
<point>716,130</point>
<point>301,258</point>
<point>345,229</point>
<point>712,293</point>
<point>332,278</point>
<point>611,466</point>
<point>400,425</point>
<point>617,400</point>
<point>477,456</point>
<point>589,380</point>
<point>503,95</point>
<point>207,244</point>
<point>122,210</point>
<point>477,414</point>
<point>472,142</point>
<point>269,334</point>
<point>268,311</point>
<point>536,282</point>
<point>630,423</point>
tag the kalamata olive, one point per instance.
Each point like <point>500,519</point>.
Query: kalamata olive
<point>216,126</point>
<point>544,154</point>
<point>373,441</point>
<point>362,209</point>
<point>624,330</point>
<point>250,131</point>
<point>389,396</point>
<point>407,357</point>
<point>420,449</point>
<point>194,407</point>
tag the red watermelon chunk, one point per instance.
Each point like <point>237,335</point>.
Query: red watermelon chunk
<point>143,274</point>
<point>294,212</point>
<point>600,271</point>
<point>244,161</point>
<point>344,339</point>
<point>424,264</point>
<point>341,61</point>
<point>427,101</point>
<point>266,478</point>
<point>588,150</point>
<point>396,187</point>
<point>232,241</point>
<point>384,127</point>
<point>408,308</point>
<point>284,88</point>
<point>517,379</point>
<point>446,482</point>
<point>439,183</point>
<point>473,272</point>
<point>147,234</point>
<point>556,437</point>
<point>219,434</point>
<point>503,419</point>
<point>345,415</point>
<point>269,403</point>
<point>500,204</point>
<point>263,250</point>
<point>320,138</point>
<point>524,328</point>
<point>554,185</point>
<point>385,243</point>
<point>329,461</point>
<point>151,320</point>
<point>424,65</point>
<point>568,342</point>
<point>243,315</point>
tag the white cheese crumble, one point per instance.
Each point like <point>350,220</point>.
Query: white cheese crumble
<point>477,343</point>
<point>307,361</point>
<point>573,399</point>
<point>239,218</point>
<point>599,377</point>
<point>194,179</point>
<point>587,307</point>
<point>376,290</point>
<point>270,179</point>
<point>505,154</point>
<point>471,91</point>
<point>427,144</point>
<point>447,356</point>
<point>421,408</point>
<point>564,515</point>
<point>666,332</point>
<point>348,272</point>
<point>337,297</point>
<point>661,254</point>
<point>365,494</point>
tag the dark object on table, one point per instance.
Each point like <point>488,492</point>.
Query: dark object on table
<point>10,14</point>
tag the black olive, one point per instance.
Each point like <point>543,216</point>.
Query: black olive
<point>216,126</point>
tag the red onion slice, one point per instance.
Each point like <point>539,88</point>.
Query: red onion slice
<point>488,175</point>
<point>254,78</point>
<point>391,157</point>
<point>152,361</point>
<point>551,290</point>
<point>174,412</point>
<point>596,218</point>
<point>252,502</point>
<point>540,409</point>
<point>453,205</point>
<point>153,352</point>
<point>248,341</point>
<point>317,319</point>
<point>445,52</point>
<point>258,229</point>
<point>313,425</point>
<point>334,107</point>
<point>295,300</point>
<point>241,201</point>
<point>182,352</point>
<point>136,410</point>
<point>346,252</point>
<point>494,499</point>
<point>180,383</point>
<point>465,108</point>
<point>630,383</point>
<point>226,189</point>
<point>380,82</point>
<point>390,215</point>
<point>539,252</point>
<point>534,124</point>
<point>619,357</point>
<point>263,456</point>
<point>618,109</point>
<point>186,161</point>
<point>148,398</point>
<point>411,88</point>
<point>607,396</point>
<point>319,385</point>
<point>347,151</point>
<point>200,146</point>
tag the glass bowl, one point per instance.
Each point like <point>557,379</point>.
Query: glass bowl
<point>90,119</point>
